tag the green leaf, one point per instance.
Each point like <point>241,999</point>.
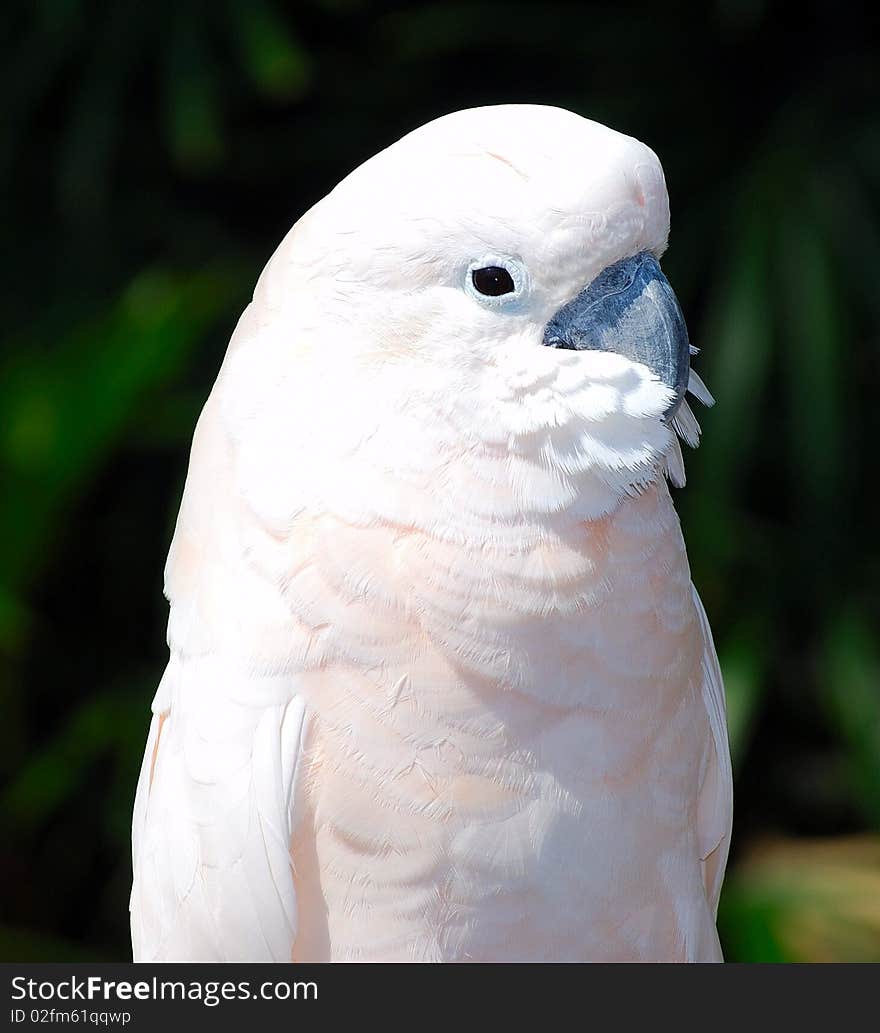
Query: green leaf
<point>110,723</point>
<point>273,56</point>
<point>850,688</point>
<point>735,364</point>
<point>192,100</point>
<point>743,660</point>
<point>812,328</point>
<point>68,407</point>
<point>807,901</point>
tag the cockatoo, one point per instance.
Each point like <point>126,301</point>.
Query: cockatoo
<point>440,688</point>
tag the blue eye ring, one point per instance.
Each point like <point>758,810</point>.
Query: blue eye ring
<point>496,279</point>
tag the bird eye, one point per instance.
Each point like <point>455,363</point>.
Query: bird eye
<point>493,281</point>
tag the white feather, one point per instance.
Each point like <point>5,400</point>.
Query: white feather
<point>675,465</point>
<point>699,390</point>
<point>435,678</point>
<point>685,425</point>
<point>716,797</point>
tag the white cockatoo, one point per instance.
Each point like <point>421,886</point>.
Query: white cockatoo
<point>440,688</point>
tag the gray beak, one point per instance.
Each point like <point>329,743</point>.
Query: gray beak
<point>629,309</point>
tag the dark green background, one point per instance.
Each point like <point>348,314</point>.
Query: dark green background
<point>153,154</point>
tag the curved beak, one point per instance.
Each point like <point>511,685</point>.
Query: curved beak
<point>630,309</point>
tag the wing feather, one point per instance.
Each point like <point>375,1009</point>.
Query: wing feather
<point>715,807</point>
<point>212,873</point>
<point>213,813</point>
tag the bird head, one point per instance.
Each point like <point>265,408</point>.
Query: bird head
<point>489,285</point>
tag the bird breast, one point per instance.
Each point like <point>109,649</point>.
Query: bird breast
<point>502,739</point>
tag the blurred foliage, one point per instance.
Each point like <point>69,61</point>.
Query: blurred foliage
<point>152,156</point>
<point>805,900</point>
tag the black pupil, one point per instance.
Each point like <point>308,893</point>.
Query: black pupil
<point>493,280</point>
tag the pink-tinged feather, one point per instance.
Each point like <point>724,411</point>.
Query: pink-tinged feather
<point>440,687</point>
